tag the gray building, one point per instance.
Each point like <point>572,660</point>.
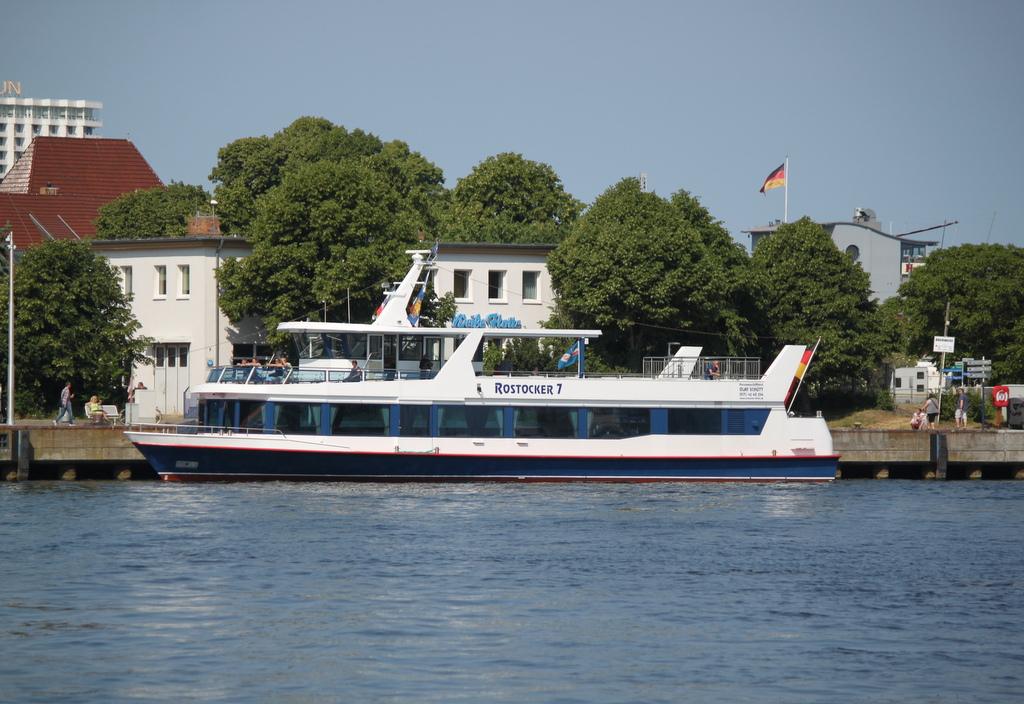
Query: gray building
<point>888,259</point>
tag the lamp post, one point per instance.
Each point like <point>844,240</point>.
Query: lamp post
<point>10,330</point>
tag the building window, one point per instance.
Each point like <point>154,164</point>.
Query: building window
<point>530,281</point>
<point>72,130</point>
<point>185,279</point>
<point>19,129</point>
<point>127,281</point>
<point>853,251</point>
<point>19,141</point>
<point>496,285</point>
<point>54,130</point>
<point>161,281</point>
<point>461,287</point>
<point>36,129</point>
<point>171,355</point>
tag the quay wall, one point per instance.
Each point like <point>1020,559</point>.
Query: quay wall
<point>41,451</point>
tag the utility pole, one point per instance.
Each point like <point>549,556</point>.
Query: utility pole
<point>10,330</point>
<point>942,358</point>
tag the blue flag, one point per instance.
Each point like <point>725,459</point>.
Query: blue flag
<point>570,357</point>
<point>414,309</point>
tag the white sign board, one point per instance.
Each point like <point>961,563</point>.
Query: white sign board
<point>943,344</point>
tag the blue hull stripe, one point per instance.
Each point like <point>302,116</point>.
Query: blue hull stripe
<point>216,464</point>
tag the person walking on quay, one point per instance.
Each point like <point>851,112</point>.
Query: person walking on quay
<point>931,409</point>
<point>65,406</point>
<point>960,415</point>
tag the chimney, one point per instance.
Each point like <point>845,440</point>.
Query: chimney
<point>48,190</point>
<point>204,225</point>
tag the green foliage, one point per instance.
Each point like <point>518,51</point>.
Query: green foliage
<point>156,212</point>
<point>509,199</point>
<point>72,323</point>
<point>983,285</point>
<point>885,401</point>
<point>330,217</point>
<point>807,288</point>
<point>635,268</point>
<point>738,316</point>
<point>250,167</point>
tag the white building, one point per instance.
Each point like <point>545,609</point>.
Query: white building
<point>887,259</point>
<point>175,298</point>
<point>23,119</point>
<point>495,285</point>
<point>172,280</point>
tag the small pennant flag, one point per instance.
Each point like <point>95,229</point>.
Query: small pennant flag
<point>570,357</point>
<point>775,179</point>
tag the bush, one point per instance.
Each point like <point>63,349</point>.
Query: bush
<point>885,401</point>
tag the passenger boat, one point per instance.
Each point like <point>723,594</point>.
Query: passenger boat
<point>362,405</point>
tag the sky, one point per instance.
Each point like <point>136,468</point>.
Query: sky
<point>911,109</point>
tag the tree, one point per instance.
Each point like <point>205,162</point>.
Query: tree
<point>72,323</point>
<point>509,199</point>
<point>738,318</point>
<point>635,268</point>
<point>982,283</point>
<point>807,289</point>
<point>328,232</point>
<point>156,212</point>
<point>250,167</point>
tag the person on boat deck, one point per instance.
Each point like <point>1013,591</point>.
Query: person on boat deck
<point>355,374</point>
<point>426,366</point>
<point>712,372</point>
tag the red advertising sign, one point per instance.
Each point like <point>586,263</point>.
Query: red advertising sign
<point>1001,396</point>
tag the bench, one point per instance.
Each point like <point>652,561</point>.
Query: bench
<point>111,414</point>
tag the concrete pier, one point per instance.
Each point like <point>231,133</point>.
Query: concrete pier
<point>916,454</point>
<point>41,451</point>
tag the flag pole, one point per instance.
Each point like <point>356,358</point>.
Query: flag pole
<point>785,207</point>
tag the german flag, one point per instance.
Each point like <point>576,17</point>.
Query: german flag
<point>775,179</point>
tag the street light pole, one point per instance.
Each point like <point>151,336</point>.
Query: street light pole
<point>10,330</point>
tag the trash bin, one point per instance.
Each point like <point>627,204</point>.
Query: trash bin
<point>1015,413</point>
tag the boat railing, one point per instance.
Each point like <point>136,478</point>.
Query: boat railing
<point>653,368</point>
<point>696,367</point>
<point>193,428</point>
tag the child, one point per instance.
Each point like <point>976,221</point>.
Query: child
<point>915,420</point>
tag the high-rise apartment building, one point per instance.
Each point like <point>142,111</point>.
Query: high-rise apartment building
<point>24,119</point>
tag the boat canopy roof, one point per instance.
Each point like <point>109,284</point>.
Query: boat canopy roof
<point>314,327</point>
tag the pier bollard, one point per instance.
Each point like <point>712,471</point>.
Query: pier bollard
<point>24,455</point>
<point>939,453</point>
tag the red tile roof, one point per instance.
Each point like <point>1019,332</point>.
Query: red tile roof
<point>86,173</point>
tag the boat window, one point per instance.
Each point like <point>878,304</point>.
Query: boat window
<point>414,421</point>
<point>347,345</point>
<point>251,414</point>
<point>411,348</point>
<point>694,421</point>
<point>545,422</point>
<point>360,419</point>
<point>618,422</point>
<point>297,418</point>
<point>470,421</point>
<point>309,345</point>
